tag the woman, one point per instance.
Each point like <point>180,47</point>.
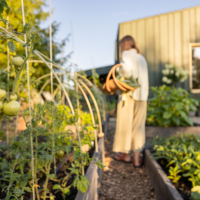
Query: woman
<point>132,106</point>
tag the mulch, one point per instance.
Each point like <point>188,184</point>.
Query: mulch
<point>121,181</point>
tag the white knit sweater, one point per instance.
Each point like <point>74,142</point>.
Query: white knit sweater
<point>135,64</point>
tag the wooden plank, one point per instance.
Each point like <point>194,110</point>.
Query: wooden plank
<point>192,19</point>
<point>94,175</point>
<point>150,50</point>
<point>163,187</point>
<point>127,29</point>
<point>185,42</point>
<point>134,30</point>
<point>197,24</point>
<point>164,52</point>
<point>157,50</point>
<point>177,39</point>
<point>141,36</point>
<point>152,131</point>
<point>121,31</point>
<point>171,37</point>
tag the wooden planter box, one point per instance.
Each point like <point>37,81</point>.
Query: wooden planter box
<point>163,187</point>
<point>94,174</point>
<point>152,131</point>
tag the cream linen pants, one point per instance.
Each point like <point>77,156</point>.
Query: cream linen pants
<point>130,127</point>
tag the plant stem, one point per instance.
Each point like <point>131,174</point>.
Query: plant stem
<point>77,127</point>
<point>53,143</point>
<point>36,153</point>
<point>21,69</point>
<point>1,118</point>
<point>46,181</point>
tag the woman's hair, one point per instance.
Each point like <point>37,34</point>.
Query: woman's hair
<point>127,43</point>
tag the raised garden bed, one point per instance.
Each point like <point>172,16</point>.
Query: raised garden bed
<point>94,175</point>
<point>177,159</point>
<point>163,187</point>
<point>152,131</point>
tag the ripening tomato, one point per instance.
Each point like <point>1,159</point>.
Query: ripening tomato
<point>2,93</point>
<point>60,154</point>
<point>13,97</point>
<point>1,105</point>
<point>12,108</point>
<point>17,61</point>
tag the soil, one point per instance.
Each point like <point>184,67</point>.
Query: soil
<point>121,181</point>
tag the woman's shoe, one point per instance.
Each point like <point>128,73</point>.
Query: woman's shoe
<point>121,157</point>
<point>139,166</point>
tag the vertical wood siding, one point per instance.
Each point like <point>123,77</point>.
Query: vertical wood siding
<point>164,39</point>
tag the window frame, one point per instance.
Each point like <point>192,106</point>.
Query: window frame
<point>191,45</point>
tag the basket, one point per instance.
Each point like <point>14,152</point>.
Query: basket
<point>111,85</point>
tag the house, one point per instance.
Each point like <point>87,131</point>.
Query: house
<point>170,38</point>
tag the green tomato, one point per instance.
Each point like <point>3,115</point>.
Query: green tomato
<point>2,93</point>
<point>17,61</point>
<point>60,154</point>
<point>13,97</point>
<point>1,105</point>
<point>12,108</point>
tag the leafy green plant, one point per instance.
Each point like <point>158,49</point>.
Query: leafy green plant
<point>182,156</point>
<point>170,107</point>
<point>195,193</point>
<point>47,118</point>
<point>173,173</point>
<point>32,155</point>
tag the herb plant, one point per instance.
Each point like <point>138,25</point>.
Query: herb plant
<point>182,156</point>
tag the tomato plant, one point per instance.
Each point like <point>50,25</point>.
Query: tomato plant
<point>31,155</point>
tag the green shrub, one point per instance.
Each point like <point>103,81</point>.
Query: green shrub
<point>170,107</point>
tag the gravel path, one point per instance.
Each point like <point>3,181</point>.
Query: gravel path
<point>120,180</point>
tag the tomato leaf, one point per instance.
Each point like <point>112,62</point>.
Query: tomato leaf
<point>82,185</point>
<point>100,164</point>
<point>11,46</point>
<point>56,187</point>
<point>75,171</point>
<point>66,191</point>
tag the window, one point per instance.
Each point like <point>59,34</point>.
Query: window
<point>194,65</point>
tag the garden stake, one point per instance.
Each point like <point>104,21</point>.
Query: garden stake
<point>8,66</point>
<point>68,99</point>
<point>77,101</point>
<point>91,112</point>
<point>95,104</point>
<point>29,96</point>
<point>51,57</point>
